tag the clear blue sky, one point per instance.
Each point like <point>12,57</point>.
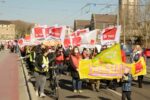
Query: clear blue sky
<point>50,12</point>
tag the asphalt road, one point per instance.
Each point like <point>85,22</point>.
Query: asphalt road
<point>9,85</point>
<point>66,93</point>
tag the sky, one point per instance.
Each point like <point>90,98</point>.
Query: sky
<point>51,12</point>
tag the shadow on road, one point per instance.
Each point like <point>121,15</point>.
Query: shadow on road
<point>103,98</point>
<point>65,84</point>
<point>78,96</point>
<point>146,82</point>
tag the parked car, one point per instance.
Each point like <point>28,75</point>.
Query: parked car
<point>147,52</point>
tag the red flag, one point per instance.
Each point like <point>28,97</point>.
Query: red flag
<point>76,41</point>
<point>67,42</point>
<point>109,34</point>
<point>47,31</point>
<point>56,31</point>
<point>38,33</point>
<point>81,31</point>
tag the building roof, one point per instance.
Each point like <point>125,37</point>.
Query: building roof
<point>5,22</point>
<point>80,24</point>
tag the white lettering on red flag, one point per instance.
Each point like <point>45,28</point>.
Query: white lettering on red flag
<point>56,31</point>
<point>38,32</point>
<point>110,35</point>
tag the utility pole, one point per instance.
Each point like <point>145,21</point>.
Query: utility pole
<point>118,14</point>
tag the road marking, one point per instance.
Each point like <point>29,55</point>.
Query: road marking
<point>119,94</point>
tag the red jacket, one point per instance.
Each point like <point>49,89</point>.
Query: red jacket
<point>75,61</point>
<point>59,59</point>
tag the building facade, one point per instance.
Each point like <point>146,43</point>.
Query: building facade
<point>7,30</point>
<point>101,21</point>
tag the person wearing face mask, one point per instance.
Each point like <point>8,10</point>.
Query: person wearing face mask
<point>59,60</point>
<point>67,59</point>
<point>126,84</point>
<point>85,53</point>
<point>74,61</point>
<point>41,69</point>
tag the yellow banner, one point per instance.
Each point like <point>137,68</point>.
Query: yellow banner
<point>109,66</point>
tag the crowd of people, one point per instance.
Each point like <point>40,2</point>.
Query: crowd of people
<point>11,45</point>
<point>40,58</point>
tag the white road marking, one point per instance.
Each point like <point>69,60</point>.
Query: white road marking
<point>119,94</point>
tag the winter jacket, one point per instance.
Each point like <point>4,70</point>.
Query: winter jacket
<point>126,85</point>
<point>74,62</point>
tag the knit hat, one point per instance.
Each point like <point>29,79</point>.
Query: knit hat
<point>126,70</point>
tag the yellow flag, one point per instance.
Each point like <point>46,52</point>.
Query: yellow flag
<point>111,55</point>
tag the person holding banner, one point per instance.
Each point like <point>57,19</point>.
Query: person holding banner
<point>95,82</point>
<point>126,84</point>
<point>74,62</point>
<point>137,53</point>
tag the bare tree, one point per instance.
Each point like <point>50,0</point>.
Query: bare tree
<point>22,28</point>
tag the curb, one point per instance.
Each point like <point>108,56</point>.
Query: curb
<point>29,86</point>
<point>23,93</point>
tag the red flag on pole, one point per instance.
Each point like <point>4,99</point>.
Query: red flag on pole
<point>38,33</point>
<point>67,42</point>
<point>56,31</point>
<point>76,41</point>
<point>109,34</point>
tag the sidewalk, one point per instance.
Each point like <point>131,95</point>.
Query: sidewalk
<point>12,85</point>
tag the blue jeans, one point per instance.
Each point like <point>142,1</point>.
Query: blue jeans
<point>77,84</point>
<point>60,68</point>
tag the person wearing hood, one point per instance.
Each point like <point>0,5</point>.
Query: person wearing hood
<point>126,84</point>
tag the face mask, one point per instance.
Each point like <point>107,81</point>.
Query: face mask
<point>76,51</point>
